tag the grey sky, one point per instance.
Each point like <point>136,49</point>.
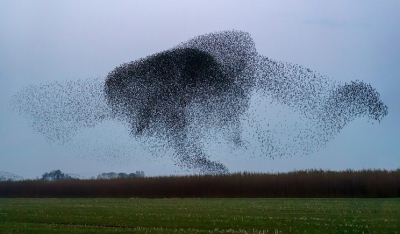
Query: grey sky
<point>46,41</point>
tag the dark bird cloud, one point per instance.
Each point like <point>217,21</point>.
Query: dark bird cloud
<point>206,83</point>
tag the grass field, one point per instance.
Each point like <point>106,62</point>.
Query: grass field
<point>200,215</point>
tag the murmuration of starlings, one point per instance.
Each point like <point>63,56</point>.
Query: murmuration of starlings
<point>206,83</point>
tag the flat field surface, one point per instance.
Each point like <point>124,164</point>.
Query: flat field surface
<point>200,215</point>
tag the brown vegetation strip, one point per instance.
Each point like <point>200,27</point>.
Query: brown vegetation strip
<point>297,184</point>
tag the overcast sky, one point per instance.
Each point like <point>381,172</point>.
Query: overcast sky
<point>47,41</point>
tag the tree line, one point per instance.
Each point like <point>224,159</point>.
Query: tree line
<point>57,175</point>
<point>296,184</point>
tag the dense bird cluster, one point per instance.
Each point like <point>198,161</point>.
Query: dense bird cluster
<point>209,83</point>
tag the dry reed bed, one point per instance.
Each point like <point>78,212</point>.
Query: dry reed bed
<point>296,184</point>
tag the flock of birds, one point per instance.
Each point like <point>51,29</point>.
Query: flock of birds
<point>8,176</point>
<point>212,83</point>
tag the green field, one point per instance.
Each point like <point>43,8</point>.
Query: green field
<point>200,215</point>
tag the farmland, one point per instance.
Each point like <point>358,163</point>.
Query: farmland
<point>220,215</point>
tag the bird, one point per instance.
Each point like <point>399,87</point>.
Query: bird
<point>207,83</point>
